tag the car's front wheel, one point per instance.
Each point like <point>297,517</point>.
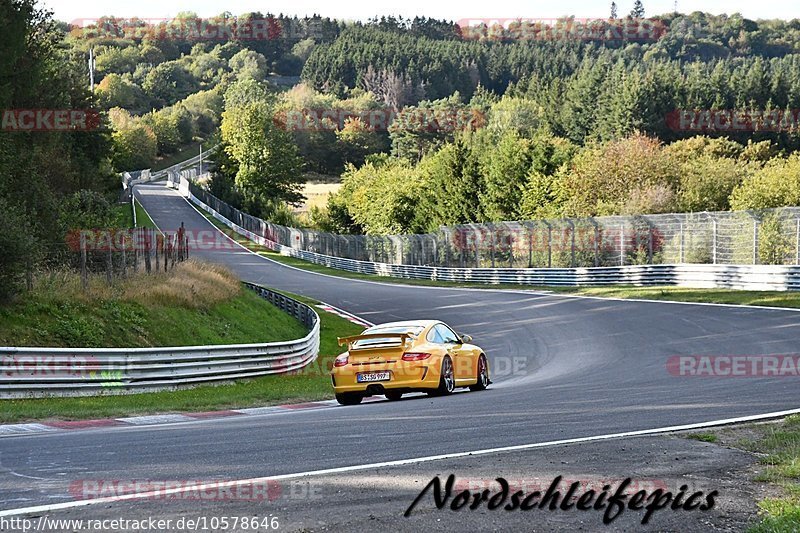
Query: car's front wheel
<point>349,398</point>
<point>447,379</point>
<point>483,375</point>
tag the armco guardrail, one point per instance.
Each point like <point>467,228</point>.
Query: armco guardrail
<point>743,277</point>
<point>41,372</point>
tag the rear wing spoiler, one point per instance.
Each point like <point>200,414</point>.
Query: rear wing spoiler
<point>403,337</point>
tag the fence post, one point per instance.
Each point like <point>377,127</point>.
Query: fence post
<point>649,242</point>
<point>530,246</point>
<point>797,250</point>
<point>549,245</point>
<point>681,257</point>
<point>714,241</point>
<point>158,257</point>
<point>572,242</point>
<point>755,241</point>
<point>622,244</point>
<point>109,261</point>
<point>147,265</point>
<point>596,242</point>
<point>124,256</point>
<point>84,273</point>
<point>491,234</point>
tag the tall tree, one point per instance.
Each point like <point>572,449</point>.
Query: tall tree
<point>638,10</point>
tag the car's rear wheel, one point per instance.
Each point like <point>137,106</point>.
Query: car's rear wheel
<point>447,379</point>
<point>349,398</point>
<point>394,396</point>
<point>483,375</point>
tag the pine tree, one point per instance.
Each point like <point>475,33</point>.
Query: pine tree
<point>638,10</point>
<point>614,11</point>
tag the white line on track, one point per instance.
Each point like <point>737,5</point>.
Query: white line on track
<point>502,291</point>
<point>388,464</point>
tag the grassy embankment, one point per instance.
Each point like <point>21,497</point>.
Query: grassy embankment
<point>778,447</point>
<point>196,304</point>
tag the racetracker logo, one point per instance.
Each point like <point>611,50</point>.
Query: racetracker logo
<point>416,119</point>
<point>732,366</point>
<point>48,365</point>
<point>59,120</point>
<point>734,120</point>
<point>195,489</point>
<point>119,240</point>
<point>564,29</point>
<point>185,29</point>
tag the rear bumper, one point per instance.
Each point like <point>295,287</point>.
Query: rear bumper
<point>407,379</point>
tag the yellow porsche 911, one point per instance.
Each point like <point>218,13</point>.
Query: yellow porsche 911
<point>401,357</point>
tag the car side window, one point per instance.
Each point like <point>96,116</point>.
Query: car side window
<point>447,335</point>
<point>434,336</point>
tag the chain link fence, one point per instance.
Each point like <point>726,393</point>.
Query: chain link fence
<point>767,237</point>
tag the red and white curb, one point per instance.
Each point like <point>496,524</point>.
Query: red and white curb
<point>12,430</point>
<point>344,314</point>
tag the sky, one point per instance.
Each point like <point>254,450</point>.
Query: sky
<point>71,10</point>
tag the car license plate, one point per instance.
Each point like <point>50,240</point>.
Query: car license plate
<point>374,376</point>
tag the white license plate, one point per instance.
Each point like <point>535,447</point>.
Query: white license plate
<point>373,376</point>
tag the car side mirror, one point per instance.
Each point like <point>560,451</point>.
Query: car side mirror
<point>466,339</point>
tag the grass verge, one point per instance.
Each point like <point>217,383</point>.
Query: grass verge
<point>143,219</point>
<point>194,304</point>
<point>246,318</point>
<point>675,294</point>
<point>309,384</point>
<point>778,448</point>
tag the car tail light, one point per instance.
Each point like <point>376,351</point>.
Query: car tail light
<point>412,356</point>
<point>341,360</point>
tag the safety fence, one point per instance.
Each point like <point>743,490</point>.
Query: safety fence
<point>768,237</point>
<point>41,372</point>
<point>272,236</point>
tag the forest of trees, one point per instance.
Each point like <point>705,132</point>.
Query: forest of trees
<point>563,120</point>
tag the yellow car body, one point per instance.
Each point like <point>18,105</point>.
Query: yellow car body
<point>402,357</point>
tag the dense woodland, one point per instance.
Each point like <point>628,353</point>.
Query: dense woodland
<point>564,123</point>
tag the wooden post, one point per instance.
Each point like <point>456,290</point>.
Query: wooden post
<point>124,242</point>
<point>147,244</point>
<point>137,242</point>
<point>158,245</point>
<point>84,273</point>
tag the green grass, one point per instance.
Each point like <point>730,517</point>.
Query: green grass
<point>703,437</point>
<point>313,383</point>
<point>781,448</point>
<point>675,294</point>
<point>778,448</point>
<point>122,216</point>
<point>184,152</point>
<point>143,219</point>
<point>49,317</point>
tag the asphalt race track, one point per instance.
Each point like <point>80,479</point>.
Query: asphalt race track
<point>584,367</point>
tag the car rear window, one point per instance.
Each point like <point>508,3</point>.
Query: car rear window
<point>414,331</point>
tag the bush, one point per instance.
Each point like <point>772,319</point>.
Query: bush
<point>19,249</point>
